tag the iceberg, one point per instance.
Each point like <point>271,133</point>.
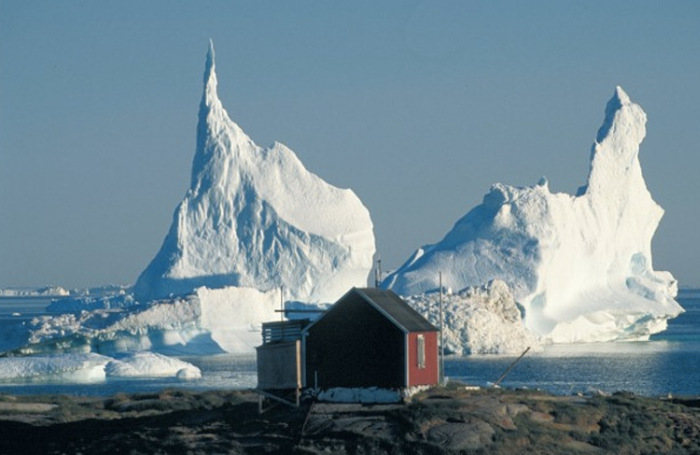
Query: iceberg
<point>254,229</point>
<point>580,265</point>
<point>254,217</point>
<point>478,320</point>
<point>209,321</point>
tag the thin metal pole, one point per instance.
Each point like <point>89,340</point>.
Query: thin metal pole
<point>442,339</point>
<point>505,373</point>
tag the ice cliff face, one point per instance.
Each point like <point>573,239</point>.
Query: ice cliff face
<point>254,217</point>
<point>478,320</point>
<point>580,265</point>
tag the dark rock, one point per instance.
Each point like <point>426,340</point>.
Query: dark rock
<point>454,436</point>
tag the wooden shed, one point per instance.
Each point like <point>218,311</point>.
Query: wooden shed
<point>279,360</point>
<point>370,338</point>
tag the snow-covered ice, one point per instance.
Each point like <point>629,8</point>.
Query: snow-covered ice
<point>80,367</point>
<point>233,322</point>
<point>370,395</point>
<point>87,303</point>
<point>255,218</point>
<point>580,265</point>
<point>46,291</point>
<point>478,320</point>
<point>152,365</point>
<point>91,367</point>
<point>209,321</point>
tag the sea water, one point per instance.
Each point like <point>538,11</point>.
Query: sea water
<point>667,364</point>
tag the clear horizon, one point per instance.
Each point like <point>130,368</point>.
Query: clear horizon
<point>419,109</point>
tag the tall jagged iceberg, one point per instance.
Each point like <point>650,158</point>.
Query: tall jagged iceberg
<point>255,218</point>
<point>580,265</point>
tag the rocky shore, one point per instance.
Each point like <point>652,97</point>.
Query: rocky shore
<point>441,421</point>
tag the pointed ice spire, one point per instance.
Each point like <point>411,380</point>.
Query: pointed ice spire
<point>619,99</point>
<point>616,147</point>
<point>213,122</point>
<point>256,217</point>
<point>211,56</point>
<point>213,118</point>
<point>209,97</point>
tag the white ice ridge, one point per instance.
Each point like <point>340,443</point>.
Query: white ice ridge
<point>150,365</point>
<point>46,291</point>
<point>580,265</point>
<point>254,217</point>
<point>91,367</point>
<point>209,321</point>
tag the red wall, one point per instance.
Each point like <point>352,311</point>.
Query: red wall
<point>429,374</point>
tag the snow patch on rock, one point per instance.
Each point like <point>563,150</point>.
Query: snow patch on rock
<point>369,395</point>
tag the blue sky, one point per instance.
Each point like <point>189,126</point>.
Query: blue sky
<point>417,106</point>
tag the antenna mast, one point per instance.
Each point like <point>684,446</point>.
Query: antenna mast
<point>281,303</point>
<point>442,338</point>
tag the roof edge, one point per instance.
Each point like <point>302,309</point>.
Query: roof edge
<point>382,311</point>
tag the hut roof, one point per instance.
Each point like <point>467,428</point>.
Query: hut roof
<point>400,312</point>
<point>390,306</point>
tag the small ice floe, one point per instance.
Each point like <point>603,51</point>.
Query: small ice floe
<point>75,367</point>
<point>151,365</point>
<point>91,367</point>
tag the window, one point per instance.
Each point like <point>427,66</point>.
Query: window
<point>420,345</point>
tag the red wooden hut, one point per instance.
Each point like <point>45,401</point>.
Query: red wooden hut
<point>370,338</point>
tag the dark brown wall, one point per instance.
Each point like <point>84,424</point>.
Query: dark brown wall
<point>354,345</point>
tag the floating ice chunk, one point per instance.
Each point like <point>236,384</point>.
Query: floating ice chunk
<point>151,365</point>
<point>86,303</point>
<point>60,367</point>
<point>210,321</point>
<point>46,291</point>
